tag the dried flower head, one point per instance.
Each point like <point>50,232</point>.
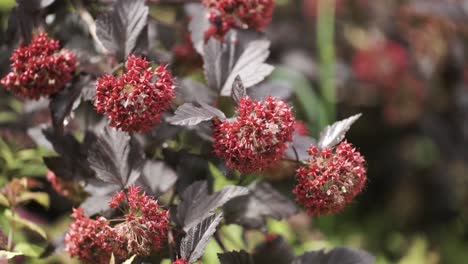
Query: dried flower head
<point>257,138</point>
<point>136,100</point>
<point>141,230</point>
<point>40,68</point>
<point>145,226</point>
<point>227,14</point>
<point>330,179</point>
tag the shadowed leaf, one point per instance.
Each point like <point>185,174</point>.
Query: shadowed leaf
<point>116,158</point>
<point>157,178</point>
<point>197,204</point>
<point>273,250</point>
<point>120,29</point>
<point>262,201</point>
<point>63,103</point>
<point>235,257</point>
<point>340,255</point>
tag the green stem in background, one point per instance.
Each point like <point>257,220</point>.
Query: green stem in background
<point>326,50</point>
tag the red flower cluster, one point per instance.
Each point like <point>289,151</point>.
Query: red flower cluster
<point>330,180</point>
<point>227,14</point>
<point>90,240</point>
<point>40,68</point>
<point>143,229</point>
<point>381,63</point>
<point>180,261</point>
<point>136,100</point>
<point>145,225</point>
<point>258,136</point>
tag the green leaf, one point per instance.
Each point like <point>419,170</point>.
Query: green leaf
<point>220,181</point>
<point>4,201</point>
<point>130,260</point>
<point>20,222</point>
<point>9,254</point>
<point>29,250</point>
<point>41,198</point>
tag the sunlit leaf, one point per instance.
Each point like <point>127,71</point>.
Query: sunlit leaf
<point>29,250</point>
<point>41,198</point>
<point>9,254</point>
<point>20,222</point>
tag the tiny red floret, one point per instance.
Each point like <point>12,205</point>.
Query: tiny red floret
<point>227,14</point>
<point>257,138</point>
<point>331,179</point>
<point>135,101</point>
<point>40,68</point>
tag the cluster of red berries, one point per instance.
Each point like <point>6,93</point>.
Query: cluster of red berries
<point>257,138</point>
<point>135,101</point>
<point>330,179</point>
<point>227,14</point>
<point>40,68</point>
<point>142,230</point>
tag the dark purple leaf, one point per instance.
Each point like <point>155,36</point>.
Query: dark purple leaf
<point>189,167</point>
<point>340,255</point>
<point>242,53</point>
<point>278,89</point>
<point>63,103</point>
<point>116,158</point>
<point>198,25</point>
<point>235,257</point>
<point>120,29</point>
<point>100,195</point>
<point>250,66</point>
<point>157,177</point>
<point>197,204</point>
<point>262,201</point>
<point>238,90</point>
<point>189,115</point>
<point>298,148</point>
<point>197,237</point>
<point>335,133</point>
<point>193,91</point>
<point>71,164</point>
<point>273,250</point>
